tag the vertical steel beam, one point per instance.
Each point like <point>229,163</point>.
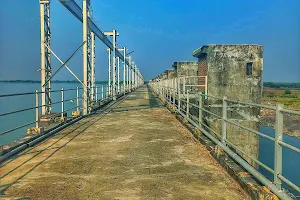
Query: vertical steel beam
<point>37,118</point>
<point>45,55</point>
<point>109,70</point>
<point>93,75</point>
<point>127,77</point>
<point>278,147</point>
<point>124,71</point>
<point>118,80</point>
<point>132,76</point>
<point>135,77</point>
<point>129,74</point>
<point>86,57</point>
<point>114,64</point>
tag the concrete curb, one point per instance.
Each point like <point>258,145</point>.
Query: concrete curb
<point>246,180</point>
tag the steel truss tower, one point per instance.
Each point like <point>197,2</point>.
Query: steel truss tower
<point>45,56</point>
<point>93,72</point>
<point>87,57</point>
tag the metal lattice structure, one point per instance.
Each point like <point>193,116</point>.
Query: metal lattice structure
<point>45,55</point>
<point>90,32</point>
<point>93,72</point>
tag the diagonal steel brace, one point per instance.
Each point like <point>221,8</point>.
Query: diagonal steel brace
<point>64,63</point>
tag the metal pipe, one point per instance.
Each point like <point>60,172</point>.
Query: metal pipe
<point>224,118</point>
<point>187,104</point>
<point>93,70</point>
<point>118,77</point>
<point>37,118</point>
<point>96,95</point>
<point>114,64</point>
<point>280,193</point>
<point>16,128</point>
<point>200,118</point>
<point>85,103</point>
<point>109,70</point>
<point>62,103</point>
<point>77,99</point>
<point>124,71</point>
<point>278,147</point>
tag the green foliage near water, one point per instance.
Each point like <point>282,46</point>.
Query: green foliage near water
<point>287,92</point>
<point>295,85</point>
<point>283,95</point>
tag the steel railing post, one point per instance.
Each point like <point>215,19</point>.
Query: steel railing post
<point>77,99</point>
<point>200,110</point>
<point>183,86</point>
<point>102,90</point>
<point>206,87</point>
<point>173,88</point>
<point>187,104</point>
<point>62,103</point>
<point>170,91</point>
<point>96,95</point>
<point>224,118</point>
<point>37,119</point>
<point>179,95</point>
<point>107,92</point>
<point>278,147</point>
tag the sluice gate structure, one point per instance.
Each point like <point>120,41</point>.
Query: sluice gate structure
<point>192,132</point>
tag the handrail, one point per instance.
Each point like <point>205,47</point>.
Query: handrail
<point>176,93</point>
<point>102,97</point>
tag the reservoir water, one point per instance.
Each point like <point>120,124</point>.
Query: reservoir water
<point>291,159</point>
<point>9,104</point>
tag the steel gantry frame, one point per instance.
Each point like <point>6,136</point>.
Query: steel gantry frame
<point>93,69</point>
<point>45,56</point>
<point>87,58</point>
<point>90,31</point>
<point>114,35</point>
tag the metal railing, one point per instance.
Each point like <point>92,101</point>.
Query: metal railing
<point>61,96</point>
<point>198,108</point>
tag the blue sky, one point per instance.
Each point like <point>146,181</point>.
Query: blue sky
<point>159,31</point>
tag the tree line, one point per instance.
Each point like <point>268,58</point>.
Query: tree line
<point>295,85</point>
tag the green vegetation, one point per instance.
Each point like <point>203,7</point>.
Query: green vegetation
<point>289,99</point>
<point>281,95</point>
<point>295,85</point>
<point>287,92</point>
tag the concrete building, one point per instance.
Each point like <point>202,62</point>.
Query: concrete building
<point>190,69</point>
<point>186,68</point>
<point>234,71</point>
<point>171,73</point>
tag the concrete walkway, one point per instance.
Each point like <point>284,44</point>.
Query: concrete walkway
<point>138,150</point>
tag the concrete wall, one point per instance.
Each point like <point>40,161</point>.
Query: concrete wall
<point>186,68</point>
<point>171,74</point>
<point>227,76</point>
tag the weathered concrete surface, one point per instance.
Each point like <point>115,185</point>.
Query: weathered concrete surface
<point>136,151</point>
<point>186,68</point>
<point>226,68</point>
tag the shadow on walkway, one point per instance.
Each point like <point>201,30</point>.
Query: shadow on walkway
<point>73,129</point>
<point>153,101</point>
